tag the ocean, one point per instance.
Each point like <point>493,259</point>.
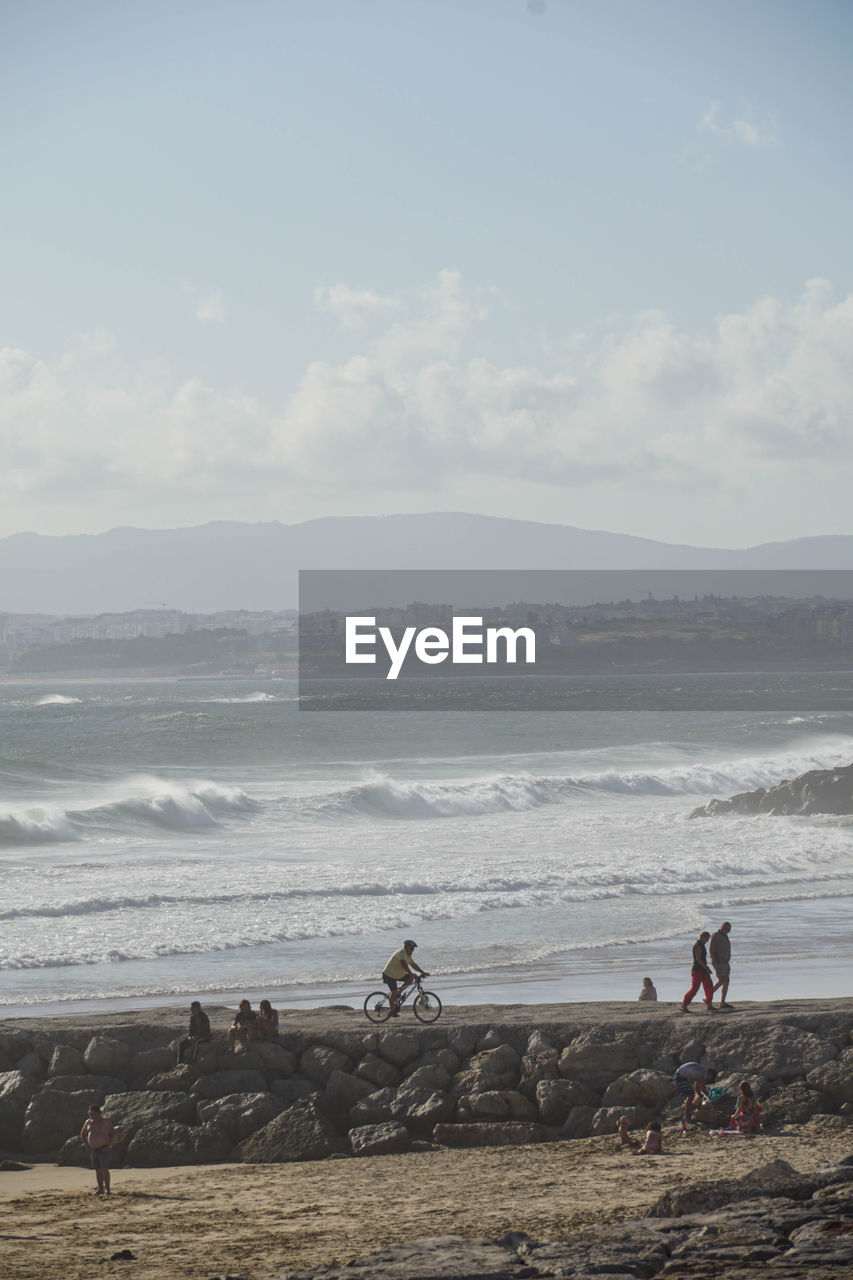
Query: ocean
<point>167,839</point>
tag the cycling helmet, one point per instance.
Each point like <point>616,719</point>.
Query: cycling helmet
<point>408,943</point>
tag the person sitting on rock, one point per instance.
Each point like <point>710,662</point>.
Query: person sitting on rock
<point>653,1145</point>
<point>648,991</point>
<point>199,1033</point>
<point>747,1116</point>
<point>243,1028</point>
<point>266,1027</point>
<point>625,1140</point>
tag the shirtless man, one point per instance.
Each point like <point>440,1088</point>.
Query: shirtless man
<point>721,956</point>
<point>97,1136</point>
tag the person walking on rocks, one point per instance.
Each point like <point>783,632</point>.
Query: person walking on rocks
<point>97,1136</point>
<point>721,954</point>
<point>700,974</point>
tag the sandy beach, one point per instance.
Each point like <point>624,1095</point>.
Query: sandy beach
<point>261,1221</point>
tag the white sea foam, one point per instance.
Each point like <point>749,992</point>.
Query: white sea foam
<point>36,826</point>
<point>56,700</point>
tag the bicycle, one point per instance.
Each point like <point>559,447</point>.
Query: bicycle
<point>426,1005</point>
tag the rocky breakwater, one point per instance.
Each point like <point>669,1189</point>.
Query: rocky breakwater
<point>348,1090</point>
<point>818,791</point>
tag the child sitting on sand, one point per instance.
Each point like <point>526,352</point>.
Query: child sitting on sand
<point>653,1145</point>
<point>625,1139</point>
<point>747,1117</point>
<point>648,991</point>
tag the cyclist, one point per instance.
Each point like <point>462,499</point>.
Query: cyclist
<point>401,969</point>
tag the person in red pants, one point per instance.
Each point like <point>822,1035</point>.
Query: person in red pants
<point>700,974</point>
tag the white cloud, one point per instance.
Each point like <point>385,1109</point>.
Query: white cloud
<point>354,307</point>
<point>759,395</point>
<point>211,308</point>
<point>742,132</point>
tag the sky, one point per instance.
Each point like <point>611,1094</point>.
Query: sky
<point>581,261</point>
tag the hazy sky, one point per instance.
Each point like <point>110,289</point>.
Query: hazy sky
<point>582,261</point>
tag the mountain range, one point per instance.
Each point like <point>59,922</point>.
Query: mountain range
<point>231,565</point>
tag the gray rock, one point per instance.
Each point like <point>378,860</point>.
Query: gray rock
<point>606,1119</point>
<point>52,1117</point>
<point>278,1062</point>
<point>14,1043</point>
<point>106,1057</point>
<point>441,1057</point>
<point>180,1079</point>
<point>379,1139</point>
<point>222,1083</point>
<point>642,1088</point>
<point>537,1067</point>
<point>167,1142</point>
<point>462,1040</point>
<point>291,1091</point>
<point>381,1074</point>
<point>398,1047</point>
<point>32,1064</point>
<point>301,1132</point>
<point>376,1108</point>
<point>98,1087</point>
<point>500,1060</point>
<point>239,1115</point>
<point>579,1122</point>
<point>793,1104</point>
<point>834,1078</point>
<point>503,1104</point>
<point>431,1076</point>
<point>318,1063</point>
<point>421,1110</point>
<point>130,1111</point>
<point>344,1091</point>
<point>477,1080</point>
<point>16,1091</point>
<point>507,1134</point>
<point>66,1060</point>
<point>777,1051</point>
<point>149,1061</point>
<point>603,1051</point>
<point>556,1098</point>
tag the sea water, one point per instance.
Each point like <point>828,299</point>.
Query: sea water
<point>175,838</point>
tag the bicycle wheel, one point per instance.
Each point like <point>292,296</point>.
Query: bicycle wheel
<point>426,1006</point>
<point>376,1006</point>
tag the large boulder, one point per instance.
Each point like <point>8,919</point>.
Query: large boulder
<point>431,1076</point>
<point>376,1108</point>
<point>398,1047</point>
<point>291,1091</point>
<point>179,1079</point>
<point>221,1083</point>
<point>642,1088</point>
<point>15,1043</point>
<point>482,1080</point>
<point>104,1056</point>
<point>555,1099</point>
<point>379,1139</point>
<point>97,1087</point>
<point>344,1091</point>
<point>33,1064</point>
<point>239,1115</point>
<point>500,1060</point>
<point>440,1057</point>
<point>835,1078</point>
<point>539,1064</point>
<point>508,1134</point>
<point>779,1052</point>
<point>503,1104</point>
<point>278,1062</point>
<point>604,1052</point>
<point>130,1111</point>
<point>579,1122</point>
<point>16,1091</point>
<point>381,1074</point>
<point>421,1110</point>
<point>318,1063</point>
<point>66,1060</point>
<point>52,1117</point>
<point>301,1132</point>
<point>793,1104</point>
<point>168,1142</point>
<point>606,1119</point>
<point>151,1061</point>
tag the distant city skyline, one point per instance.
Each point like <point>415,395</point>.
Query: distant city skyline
<point>584,262</point>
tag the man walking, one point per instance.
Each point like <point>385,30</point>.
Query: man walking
<point>721,954</point>
<point>700,974</point>
<point>97,1136</point>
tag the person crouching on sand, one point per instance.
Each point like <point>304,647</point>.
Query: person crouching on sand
<point>653,1145</point>
<point>625,1140</point>
<point>747,1117</point>
<point>648,991</point>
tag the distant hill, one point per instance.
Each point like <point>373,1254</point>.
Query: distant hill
<point>225,565</point>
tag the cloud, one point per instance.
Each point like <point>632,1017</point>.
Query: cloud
<point>211,308</point>
<point>739,132</point>
<point>354,307</point>
<point>759,394</point>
